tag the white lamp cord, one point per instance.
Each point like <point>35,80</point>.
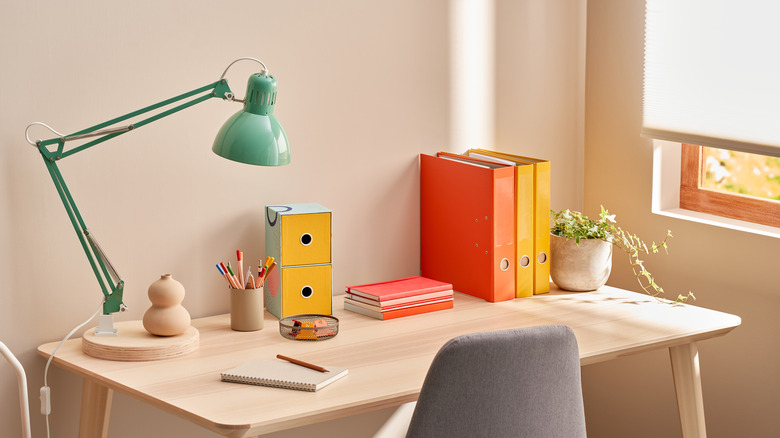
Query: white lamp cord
<point>263,72</point>
<point>45,390</point>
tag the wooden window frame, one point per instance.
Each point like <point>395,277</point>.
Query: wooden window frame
<point>731,205</point>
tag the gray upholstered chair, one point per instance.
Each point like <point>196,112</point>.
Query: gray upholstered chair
<point>521,382</point>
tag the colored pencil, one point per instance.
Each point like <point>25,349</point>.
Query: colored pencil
<point>230,278</point>
<point>240,257</point>
<point>224,275</point>
<point>268,271</point>
<point>233,276</point>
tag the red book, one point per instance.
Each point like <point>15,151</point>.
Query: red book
<point>391,314</point>
<point>401,288</point>
<point>415,299</point>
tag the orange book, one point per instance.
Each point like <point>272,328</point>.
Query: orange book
<point>467,223</point>
<point>392,314</point>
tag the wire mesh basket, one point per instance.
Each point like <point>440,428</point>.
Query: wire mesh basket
<point>310,327</point>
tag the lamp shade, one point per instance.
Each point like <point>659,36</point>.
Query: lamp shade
<point>254,135</point>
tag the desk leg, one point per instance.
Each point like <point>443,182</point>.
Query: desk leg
<point>687,385</point>
<point>95,410</point>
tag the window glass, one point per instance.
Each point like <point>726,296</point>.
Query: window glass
<point>730,184</point>
<point>740,172</point>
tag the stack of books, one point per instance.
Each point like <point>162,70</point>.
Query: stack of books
<point>397,298</point>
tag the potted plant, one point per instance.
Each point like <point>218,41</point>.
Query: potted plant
<point>581,252</point>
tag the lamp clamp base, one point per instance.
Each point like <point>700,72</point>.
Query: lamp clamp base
<point>106,326</point>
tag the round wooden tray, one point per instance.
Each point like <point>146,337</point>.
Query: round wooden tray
<point>134,343</point>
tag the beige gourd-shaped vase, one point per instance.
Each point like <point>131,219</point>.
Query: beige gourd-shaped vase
<point>166,317</point>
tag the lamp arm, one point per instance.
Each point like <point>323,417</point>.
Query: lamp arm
<point>97,260</point>
<point>109,280</point>
<point>218,89</point>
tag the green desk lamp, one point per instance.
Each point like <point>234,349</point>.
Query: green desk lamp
<point>253,135</point>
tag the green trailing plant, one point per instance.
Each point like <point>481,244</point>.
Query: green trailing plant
<point>575,225</point>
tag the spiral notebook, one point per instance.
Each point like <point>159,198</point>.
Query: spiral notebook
<point>280,374</point>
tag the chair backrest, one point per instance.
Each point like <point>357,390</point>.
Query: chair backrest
<point>521,382</point>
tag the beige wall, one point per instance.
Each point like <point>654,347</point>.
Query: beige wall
<point>540,71</point>
<point>728,270</point>
<point>380,68</point>
<point>363,89</point>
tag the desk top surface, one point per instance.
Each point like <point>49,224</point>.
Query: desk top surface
<point>387,360</point>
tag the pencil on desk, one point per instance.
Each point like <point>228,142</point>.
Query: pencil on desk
<point>302,363</point>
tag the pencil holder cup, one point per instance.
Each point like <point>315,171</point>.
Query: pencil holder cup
<point>246,309</point>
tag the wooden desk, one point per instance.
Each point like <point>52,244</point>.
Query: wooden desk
<point>387,360</point>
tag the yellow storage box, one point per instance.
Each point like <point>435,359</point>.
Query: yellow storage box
<point>298,237</point>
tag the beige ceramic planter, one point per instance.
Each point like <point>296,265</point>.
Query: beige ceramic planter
<point>582,267</point>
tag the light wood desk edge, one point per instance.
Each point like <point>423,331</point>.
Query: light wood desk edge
<point>98,389</point>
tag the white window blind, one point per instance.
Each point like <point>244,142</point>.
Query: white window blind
<point>712,73</point>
